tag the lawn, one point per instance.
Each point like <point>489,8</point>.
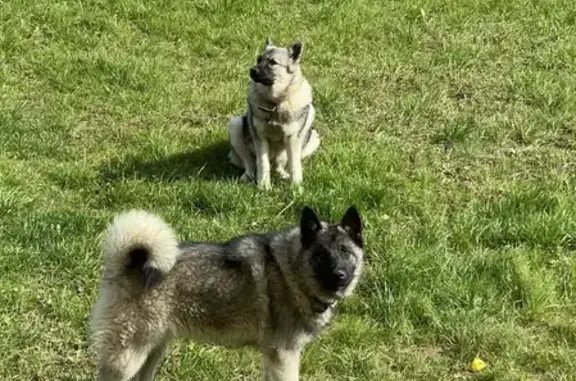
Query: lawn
<point>450,123</point>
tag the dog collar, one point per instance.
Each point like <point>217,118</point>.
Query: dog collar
<point>303,111</point>
<point>270,110</point>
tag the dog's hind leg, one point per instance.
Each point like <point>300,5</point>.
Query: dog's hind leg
<point>235,159</point>
<point>240,154</point>
<point>149,368</point>
<point>312,144</point>
<point>311,135</point>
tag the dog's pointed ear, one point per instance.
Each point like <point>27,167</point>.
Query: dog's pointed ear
<point>352,224</point>
<point>309,227</point>
<point>295,51</point>
<point>268,43</point>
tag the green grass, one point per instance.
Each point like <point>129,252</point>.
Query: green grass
<point>449,123</point>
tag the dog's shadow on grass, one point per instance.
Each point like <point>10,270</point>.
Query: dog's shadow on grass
<point>209,163</point>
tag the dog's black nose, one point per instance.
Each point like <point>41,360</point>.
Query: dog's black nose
<point>343,277</point>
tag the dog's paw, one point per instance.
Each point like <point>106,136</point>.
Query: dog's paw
<point>283,174</point>
<point>265,184</point>
<point>297,189</point>
<point>246,178</point>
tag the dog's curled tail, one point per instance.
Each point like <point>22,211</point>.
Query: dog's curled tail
<point>139,243</point>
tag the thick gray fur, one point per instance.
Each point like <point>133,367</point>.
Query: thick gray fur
<point>274,291</point>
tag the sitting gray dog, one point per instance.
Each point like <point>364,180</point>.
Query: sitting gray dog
<point>278,123</point>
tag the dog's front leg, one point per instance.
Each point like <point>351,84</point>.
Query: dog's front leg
<point>294,158</point>
<point>263,163</point>
<point>281,365</point>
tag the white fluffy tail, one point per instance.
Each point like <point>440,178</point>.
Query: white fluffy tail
<point>139,241</point>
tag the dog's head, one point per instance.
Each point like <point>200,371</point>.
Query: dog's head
<point>276,68</point>
<point>333,254</point>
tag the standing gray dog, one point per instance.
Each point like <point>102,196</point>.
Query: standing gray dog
<point>278,124</point>
<point>273,291</point>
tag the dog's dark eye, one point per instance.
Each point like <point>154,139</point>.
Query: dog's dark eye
<point>348,254</point>
<point>272,62</point>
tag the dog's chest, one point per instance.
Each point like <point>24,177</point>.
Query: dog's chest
<point>276,129</point>
<point>312,326</point>
<point>280,123</point>
<point>280,116</point>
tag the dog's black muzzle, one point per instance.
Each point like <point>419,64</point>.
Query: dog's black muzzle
<point>258,77</point>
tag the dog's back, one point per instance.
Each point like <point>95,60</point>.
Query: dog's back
<point>218,291</point>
